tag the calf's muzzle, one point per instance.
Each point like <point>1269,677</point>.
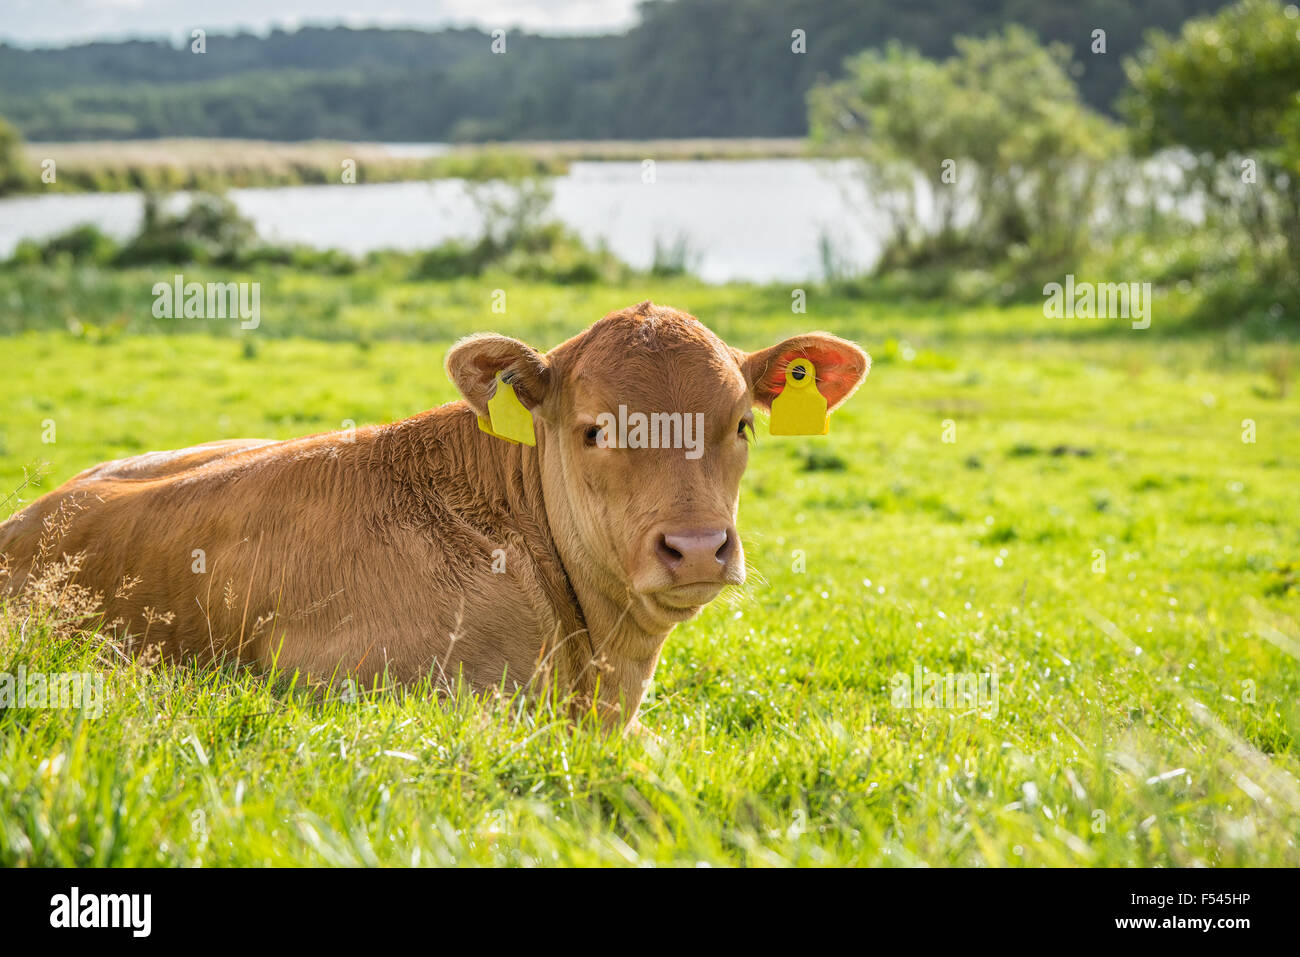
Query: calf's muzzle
<point>697,555</point>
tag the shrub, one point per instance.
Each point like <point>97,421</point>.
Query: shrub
<point>12,172</point>
<point>675,257</point>
<point>1010,156</point>
<point>1228,90</point>
<point>518,238</point>
<point>80,244</point>
<point>210,229</point>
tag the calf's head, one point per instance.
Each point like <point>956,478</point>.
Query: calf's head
<point>643,425</point>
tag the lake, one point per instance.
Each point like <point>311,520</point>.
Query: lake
<point>759,220</point>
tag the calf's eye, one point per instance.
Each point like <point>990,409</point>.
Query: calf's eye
<point>591,435</point>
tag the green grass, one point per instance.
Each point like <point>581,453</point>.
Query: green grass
<point>1146,714</point>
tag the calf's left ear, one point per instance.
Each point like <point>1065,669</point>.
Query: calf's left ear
<point>473,364</point>
<point>841,366</point>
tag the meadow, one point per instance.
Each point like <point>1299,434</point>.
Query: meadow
<point>1105,519</point>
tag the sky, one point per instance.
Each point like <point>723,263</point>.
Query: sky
<point>61,22</point>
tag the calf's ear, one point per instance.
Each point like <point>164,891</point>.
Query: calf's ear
<point>473,364</point>
<point>841,366</point>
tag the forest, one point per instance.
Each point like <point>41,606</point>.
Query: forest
<point>717,68</point>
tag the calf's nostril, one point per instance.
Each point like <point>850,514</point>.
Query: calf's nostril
<point>727,548</point>
<point>667,554</point>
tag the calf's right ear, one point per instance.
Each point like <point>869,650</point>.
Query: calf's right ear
<point>473,364</point>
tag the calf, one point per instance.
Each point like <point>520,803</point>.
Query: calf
<point>429,546</point>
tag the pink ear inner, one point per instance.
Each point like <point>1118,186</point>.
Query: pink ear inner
<point>837,372</point>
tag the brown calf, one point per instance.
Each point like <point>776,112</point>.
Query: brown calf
<point>430,547</point>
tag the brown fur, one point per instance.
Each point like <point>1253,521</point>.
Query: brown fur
<point>375,556</point>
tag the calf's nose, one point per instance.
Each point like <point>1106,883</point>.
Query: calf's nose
<point>696,555</point>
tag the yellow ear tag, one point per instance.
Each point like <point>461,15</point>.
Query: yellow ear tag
<point>485,426</point>
<point>800,409</point>
<point>508,419</point>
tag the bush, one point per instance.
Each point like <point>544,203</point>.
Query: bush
<point>1011,156</point>
<point>210,230</point>
<point>553,253</point>
<point>83,244</point>
<point>1228,89</point>
<point>518,238</point>
<point>675,257</point>
<point>547,253</point>
<point>455,258</point>
<point>13,176</point>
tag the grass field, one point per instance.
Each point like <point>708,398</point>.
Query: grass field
<point>1096,534</point>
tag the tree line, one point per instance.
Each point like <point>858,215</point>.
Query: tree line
<point>710,68</point>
